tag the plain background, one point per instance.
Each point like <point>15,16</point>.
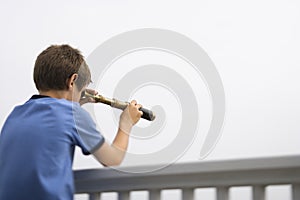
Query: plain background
<point>254,45</point>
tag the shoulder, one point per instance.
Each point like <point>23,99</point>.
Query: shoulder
<point>58,110</point>
<point>81,114</point>
<point>50,103</point>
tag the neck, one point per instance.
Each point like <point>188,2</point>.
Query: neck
<point>58,94</point>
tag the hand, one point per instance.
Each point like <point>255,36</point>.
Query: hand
<point>85,99</point>
<point>130,116</point>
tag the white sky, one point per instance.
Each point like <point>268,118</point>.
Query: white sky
<point>254,45</point>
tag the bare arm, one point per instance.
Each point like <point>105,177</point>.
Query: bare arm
<point>113,155</point>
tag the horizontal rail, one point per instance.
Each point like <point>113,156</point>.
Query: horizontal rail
<point>219,174</point>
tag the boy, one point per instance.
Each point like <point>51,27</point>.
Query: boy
<point>38,138</point>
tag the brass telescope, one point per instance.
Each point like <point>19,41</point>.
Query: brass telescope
<point>147,114</point>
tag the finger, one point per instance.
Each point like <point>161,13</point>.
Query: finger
<point>133,102</point>
<point>83,101</point>
<point>91,100</point>
<point>91,91</point>
<point>87,100</point>
<point>140,113</point>
<point>139,106</point>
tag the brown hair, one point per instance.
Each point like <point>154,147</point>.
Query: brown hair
<point>56,64</point>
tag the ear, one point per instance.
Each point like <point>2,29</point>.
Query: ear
<point>71,81</point>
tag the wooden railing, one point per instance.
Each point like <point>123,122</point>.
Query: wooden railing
<point>222,175</point>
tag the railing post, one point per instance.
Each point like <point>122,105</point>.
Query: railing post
<point>154,194</point>
<point>222,193</point>
<point>296,191</point>
<point>123,195</point>
<point>187,194</point>
<point>258,192</point>
<point>94,196</point>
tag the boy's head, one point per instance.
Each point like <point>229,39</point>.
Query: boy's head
<point>57,66</point>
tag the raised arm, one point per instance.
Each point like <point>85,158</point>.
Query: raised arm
<point>113,155</point>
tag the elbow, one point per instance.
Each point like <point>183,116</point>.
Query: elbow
<point>109,156</point>
<point>113,162</point>
<point>117,161</point>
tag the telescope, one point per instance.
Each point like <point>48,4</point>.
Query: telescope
<point>147,114</point>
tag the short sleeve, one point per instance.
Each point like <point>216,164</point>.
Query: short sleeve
<point>87,137</point>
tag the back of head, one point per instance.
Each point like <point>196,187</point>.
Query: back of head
<point>56,64</point>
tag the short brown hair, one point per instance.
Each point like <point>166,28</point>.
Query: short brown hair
<point>56,64</point>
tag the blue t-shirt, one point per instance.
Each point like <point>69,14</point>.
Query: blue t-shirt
<point>37,145</point>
